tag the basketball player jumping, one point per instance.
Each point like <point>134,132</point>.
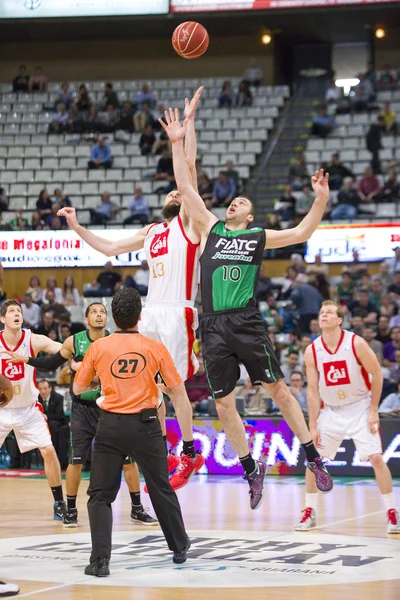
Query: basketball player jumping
<point>172,252</point>
<point>344,373</point>
<point>21,414</point>
<point>85,415</point>
<point>232,329</point>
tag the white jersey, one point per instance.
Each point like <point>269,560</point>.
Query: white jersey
<point>173,262</point>
<point>342,379</point>
<point>21,375</point>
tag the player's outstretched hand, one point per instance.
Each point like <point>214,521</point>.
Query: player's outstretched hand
<point>70,214</point>
<point>15,358</point>
<point>174,129</point>
<point>373,421</point>
<point>320,185</point>
<point>191,107</point>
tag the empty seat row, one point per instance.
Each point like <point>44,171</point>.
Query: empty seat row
<point>351,155</point>
<point>351,140</point>
<point>87,201</point>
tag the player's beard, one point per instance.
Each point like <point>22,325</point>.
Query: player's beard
<point>171,210</point>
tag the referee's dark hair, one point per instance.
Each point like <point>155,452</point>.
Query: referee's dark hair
<point>126,307</point>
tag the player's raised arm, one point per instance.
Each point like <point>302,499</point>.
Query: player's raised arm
<point>106,247</point>
<point>367,359</point>
<point>313,399</point>
<point>190,138</point>
<point>47,363</point>
<point>199,214</point>
<point>303,231</point>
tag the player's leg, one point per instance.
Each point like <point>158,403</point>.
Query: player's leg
<point>52,470</point>
<point>132,478</point>
<point>384,481</point>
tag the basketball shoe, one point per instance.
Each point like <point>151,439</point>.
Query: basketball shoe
<point>71,518</point>
<point>173,463</point>
<point>307,521</point>
<point>322,477</point>
<point>186,468</point>
<point>141,517</point>
<point>256,484</point>
<point>393,521</point>
<point>8,589</point>
<point>60,508</point>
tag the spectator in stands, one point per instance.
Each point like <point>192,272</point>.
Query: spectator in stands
<point>51,286</point>
<point>285,206</point>
<point>37,223</point>
<point>384,274</point>
<point>226,97</point>
<point>60,200</point>
<point>394,288</point>
<point>304,343</point>
<point>143,117</point>
<point>357,268</point>
<point>368,186</point>
<point>273,221</point>
<point>126,117</point>
<point>35,290</point>
<point>321,283</point>
<point>296,386</point>
<point>76,120</point>
<point>264,285</point>
<point>146,96</point>
<point>21,81</point>
<point>315,330</point>
<point>232,173</point>
<point>101,156</point>
<point>159,114</point>
<point>369,336</point>
<point>318,267</point>
<point>71,295</point>
<point>304,200</point>
<point>390,348</point>
<point>65,332</point>
<point>347,202</point>
<point>388,307</point>
<point>244,97</point>
<point>197,389</point>
<point>370,74</point>
<point>84,101</point>
<point>255,398</point>
<point>162,142</point>
<point>57,421</point>
<point>391,403</point>
<point>377,292</point>
<point>108,121</point>
<point>323,124</point>
<point>357,325</point>
<point>363,307</point>
<point>141,279</point>
<point>147,140</point>
<point>337,172</point>
<point>64,97</point>
<point>107,283</point>
<point>308,301</point>
<point>205,187</point>
<point>297,261</point>
<point>139,209</point>
<point>60,120</point>
<point>38,81</point>
<point>224,190</point>
<point>374,142</point>
<point>19,223</point>
<point>165,172</point>
<point>270,314</point>
<point>393,263</point>
<point>110,97</point>
<point>30,312</point>
<point>253,75</point>
<point>46,325</point>
<point>292,364</point>
<point>382,330</point>
<point>391,189</point>
<point>4,200</point>
<point>294,345</point>
<point>58,311</point>
<point>44,206</point>
<point>363,94</point>
<point>332,94</point>
<point>105,212</point>
<point>395,369</point>
<point>389,116</point>
<point>387,80</point>
<point>298,173</point>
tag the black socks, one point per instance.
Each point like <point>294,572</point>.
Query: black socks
<point>248,463</point>
<point>188,449</point>
<point>311,451</point>
<point>57,493</point>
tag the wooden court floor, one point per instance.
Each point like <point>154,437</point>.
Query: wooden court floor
<point>236,551</point>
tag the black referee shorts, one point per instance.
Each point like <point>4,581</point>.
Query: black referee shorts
<point>233,337</point>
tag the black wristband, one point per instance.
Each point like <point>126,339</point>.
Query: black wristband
<point>48,363</point>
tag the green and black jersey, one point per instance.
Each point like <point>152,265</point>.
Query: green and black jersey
<point>230,264</point>
<point>82,342</point>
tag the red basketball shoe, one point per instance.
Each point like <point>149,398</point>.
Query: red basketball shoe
<point>173,463</point>
<point>188,466</point>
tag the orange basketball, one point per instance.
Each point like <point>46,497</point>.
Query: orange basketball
<point>190,39</point>
<point>6,391</point>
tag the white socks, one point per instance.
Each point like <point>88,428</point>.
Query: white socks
<point>388,500</point>
<point>311,501</point>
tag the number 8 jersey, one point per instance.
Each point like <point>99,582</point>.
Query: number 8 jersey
<point>21,375</point>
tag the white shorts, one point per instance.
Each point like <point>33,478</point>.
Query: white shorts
<point>29,426</point>
<point>173,326</point>
<point>350,420</point>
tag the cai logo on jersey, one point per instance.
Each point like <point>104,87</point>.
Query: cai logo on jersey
<point>159,244</point>
<point>13,372</point>
<point>336,373</point>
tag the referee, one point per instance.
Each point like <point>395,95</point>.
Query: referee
<point>127,365</point>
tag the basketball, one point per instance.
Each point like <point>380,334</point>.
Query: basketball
<point>190,40</point>
<point>6,391</point>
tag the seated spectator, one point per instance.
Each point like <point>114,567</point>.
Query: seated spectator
<point>393,264</point>
<point>391,403</point>
<point>298,173</point>
<point>394,288</point>
<point>35,290</point>
<point>76,120</point>
<point>388,306</point>
<point>19,223</point>
<point>110,98</point>
<point>30,312</point>
<point>377,292</point>
<point>382,330</point>
<point>390,118</point>
<point>294,345</point>
<point>159,114</point>
<point>286,205</point>
<point>337,172</point>
<point>315,330</point>
<point>71,295</point>
<point>64,97</point>
<point>107,283</point>
<point>65,332</point>
<point>84,101</point>
<point>46,325</point>
<point>256,400</point>
<point>197,389</point>
<point>369,336</point>
<point>363,94</point>
<point>226,97</point>
<point>297,261</point>
<point>224,190</point>
<point>333,94</point>
<point>304,343</point>
<point>38,81</point>
<point>205,187</point>
<point>232,173</point>
<point>108,121</point>
<point>368,186</point>
<point>363,307</point>
<point>305,200</point>
<point>165,172</point>
<point>60,200</point>
<point>387,79</point>
<point>146,96</point>
<point>394,321</point>
<point>289,283</point>
<point>60,120</point>
<point>318,267</point>
<point>370,74</point>
<point>321,283</point>
<point>345,289</point>
<point>105,212</point>
<point>126,117</point>
<point>391,189</point>
<point>264,285</point>
<point>347,202</point>
<point>57,310</point>
<point>253,75</point>
<point>244,97</point>
<point>51,286</point>
<point>147,140</point>
<point>139,208</point>
<point>322,123</point>
<point>394,375</point>
<point>101,156</point>
<point>142,118</point>
<point>21,81</point>
<point>57,421</point>
<point>161,143</point>
<point>390,348</point>
<point>270,314</point>
<point>44,206</point>
<point>373,141</point>
<point>296,386</point>
<point>292,364</point>
<point>37,223</point>
<point>4,200</point>
<point>141,279</point>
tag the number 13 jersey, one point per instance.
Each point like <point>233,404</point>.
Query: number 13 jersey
<point>342,378</point>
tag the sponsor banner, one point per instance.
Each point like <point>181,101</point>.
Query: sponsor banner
<point>221,5</point>
<point>28,9</point>
<point>335,243</point>
<point>61,249</point>
<point>272,441</point>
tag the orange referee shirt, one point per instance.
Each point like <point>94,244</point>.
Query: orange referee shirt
<point>127,364</point>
